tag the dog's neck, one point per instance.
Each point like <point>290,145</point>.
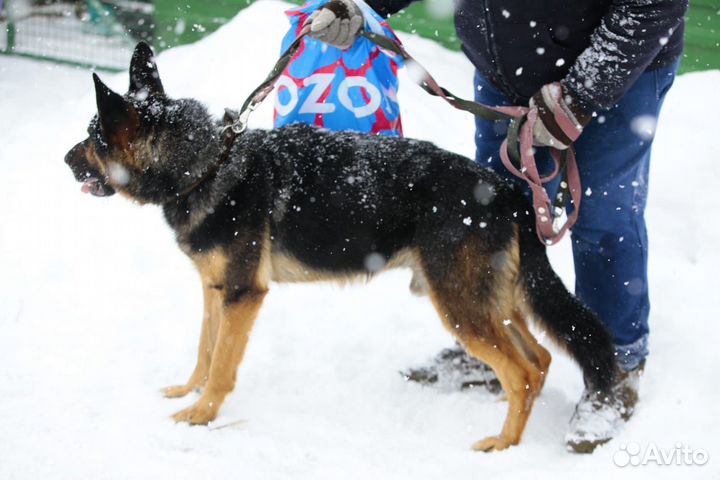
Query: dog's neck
<point>209,181</point>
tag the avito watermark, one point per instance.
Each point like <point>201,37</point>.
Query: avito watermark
<point>632,454</point>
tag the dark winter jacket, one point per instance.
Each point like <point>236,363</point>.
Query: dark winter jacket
<point>598,47</point>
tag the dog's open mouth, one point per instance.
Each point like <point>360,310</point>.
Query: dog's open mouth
<point>96,187</point>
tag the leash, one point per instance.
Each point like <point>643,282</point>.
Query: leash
<point>516,152</point>
<point>519,144</point>
<point>236,124</point>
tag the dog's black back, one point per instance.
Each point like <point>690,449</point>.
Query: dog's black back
<point>333,198</point>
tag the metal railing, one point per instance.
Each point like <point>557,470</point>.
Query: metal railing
<point>93,33</point>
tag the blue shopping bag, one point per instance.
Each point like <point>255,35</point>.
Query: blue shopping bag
<point>353,89</point>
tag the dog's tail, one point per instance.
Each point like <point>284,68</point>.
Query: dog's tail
<point>572,324</point>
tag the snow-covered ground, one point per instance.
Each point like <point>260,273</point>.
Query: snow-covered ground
<point>99,309</point>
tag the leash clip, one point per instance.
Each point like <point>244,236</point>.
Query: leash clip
<point>238,122</point>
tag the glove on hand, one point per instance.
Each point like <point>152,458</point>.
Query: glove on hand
<point>336,23</point>
<point>560,118</point>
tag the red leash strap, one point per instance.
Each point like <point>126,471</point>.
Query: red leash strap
<point>545,215</point>
<point>430,85</point>
<point>517,147</point>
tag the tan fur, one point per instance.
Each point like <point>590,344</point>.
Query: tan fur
<point>92,157</point>
<point>287,269</point>
<point>265,270</point>
<point>233,334</point>
<point>491,330</point>
<point>212,314</point>
<point>103,166</point>
<point>476,291</point>
<point>490,326</point>
<point>212,267</point>
<point>226,330</point>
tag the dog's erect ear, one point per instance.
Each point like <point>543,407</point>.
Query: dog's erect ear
<point>144,75</point>
<point>118,118</point>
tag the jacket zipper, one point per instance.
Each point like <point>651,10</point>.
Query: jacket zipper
<point>492,46</point>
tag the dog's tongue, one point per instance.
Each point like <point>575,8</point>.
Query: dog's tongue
<point>93,186</point>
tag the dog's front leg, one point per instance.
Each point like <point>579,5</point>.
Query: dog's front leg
<point>212,299</point>
<point>238,316</point>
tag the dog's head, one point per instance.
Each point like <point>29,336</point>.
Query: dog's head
<point>143,144</point>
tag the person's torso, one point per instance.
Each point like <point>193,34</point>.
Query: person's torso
<point>521,45</point>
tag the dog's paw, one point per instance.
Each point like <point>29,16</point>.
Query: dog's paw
<point>177,391</point>
<point>491,444</point>
<point>201,413</point>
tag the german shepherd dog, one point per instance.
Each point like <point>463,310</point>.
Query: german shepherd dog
<point>299,203</point>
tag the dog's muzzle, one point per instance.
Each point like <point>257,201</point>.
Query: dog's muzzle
<point>93,182</point>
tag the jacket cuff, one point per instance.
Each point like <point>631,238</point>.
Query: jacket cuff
<point>582,110</point>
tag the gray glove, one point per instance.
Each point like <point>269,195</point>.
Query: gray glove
<point>554,102</point>
<point>336,23</point>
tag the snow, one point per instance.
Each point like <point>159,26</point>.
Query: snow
<point>99,310</point>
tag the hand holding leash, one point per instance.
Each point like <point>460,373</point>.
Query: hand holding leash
<point>337,23</point>
<point>560,119</point>
<point>548,116</point>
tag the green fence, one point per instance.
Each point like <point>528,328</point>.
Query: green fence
<point>101,33</point>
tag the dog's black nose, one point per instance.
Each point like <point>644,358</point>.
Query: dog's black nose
<point>78,162</point>
<point>72,157</point>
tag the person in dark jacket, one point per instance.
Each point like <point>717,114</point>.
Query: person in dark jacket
<point>605,65</point>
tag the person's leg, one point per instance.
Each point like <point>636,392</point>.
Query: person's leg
<point>610,248</point>
<point>609,240</point>
<point>489,135</point>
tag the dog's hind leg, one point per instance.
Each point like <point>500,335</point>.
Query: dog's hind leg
<point>533,351</point>
<point>212,311</point>
<point>474,295</point>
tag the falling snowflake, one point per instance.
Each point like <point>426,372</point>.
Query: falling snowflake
<point>118,174</point>
<point>644,126</point>
<point>375,262</point>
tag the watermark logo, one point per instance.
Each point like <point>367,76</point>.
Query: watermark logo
<point>633,455</point>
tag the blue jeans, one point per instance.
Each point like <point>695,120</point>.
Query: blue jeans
<point>609,240</point>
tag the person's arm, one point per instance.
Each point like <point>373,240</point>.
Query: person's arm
<point>388,7</point>
<point>622,47</point>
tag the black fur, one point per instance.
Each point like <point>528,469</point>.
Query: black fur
<point>144,78</point>
<point>570,322</point>
<point>329,199</point>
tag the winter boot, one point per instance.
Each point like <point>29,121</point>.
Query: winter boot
<point>453,369</point>
<point>598,418</point>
